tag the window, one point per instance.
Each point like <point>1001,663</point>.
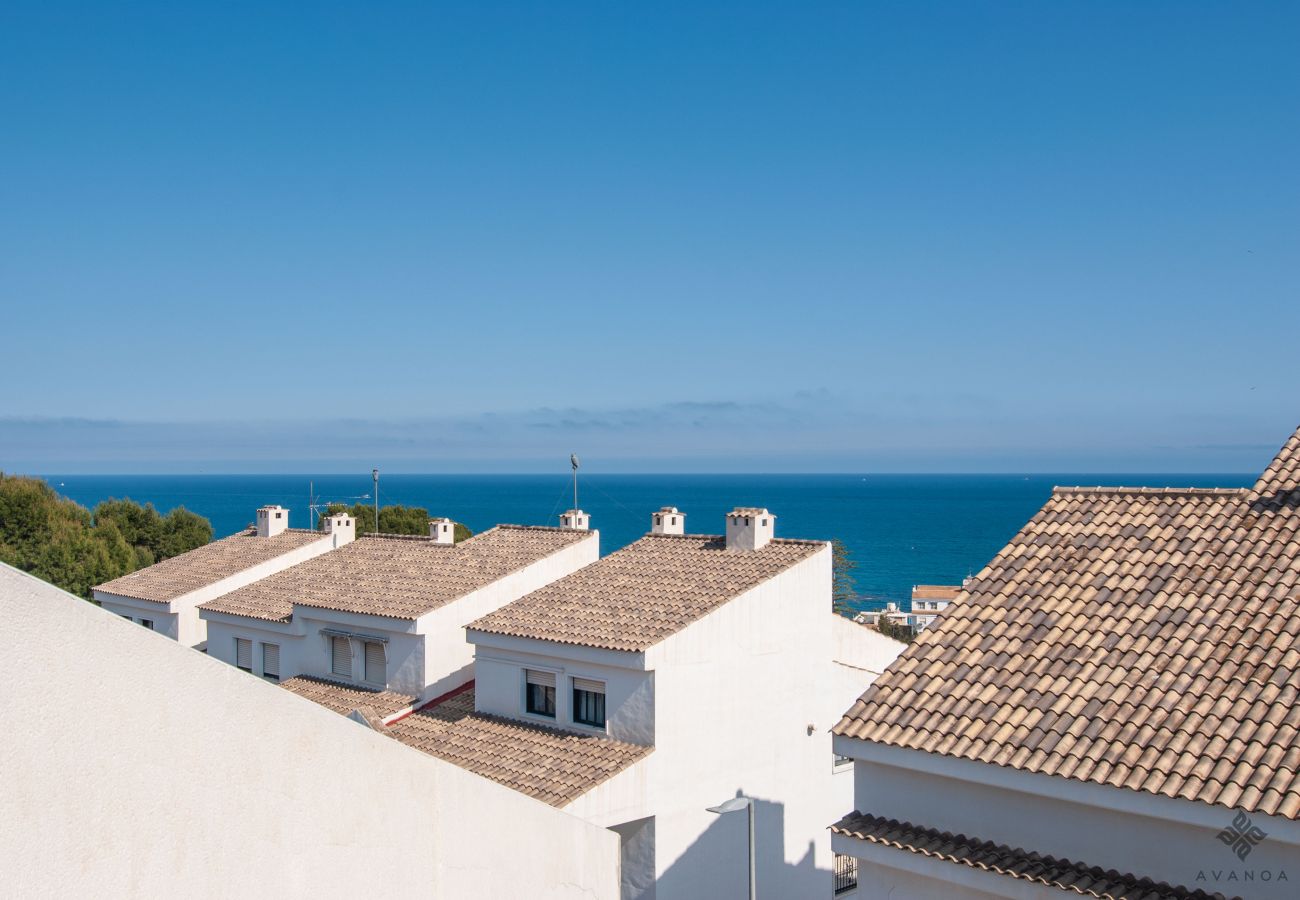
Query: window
<point>539,695</point>
<point>376,664</point>
<point>147,623</point>
<point>846,873</point>
<point>341,656</point>
<point>244,654</point>
<point>125,616</point>
<point>271,662</point>
<point>589,702</point>
<point>841,762</point>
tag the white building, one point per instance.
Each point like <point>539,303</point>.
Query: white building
<point>388,612</point>
<point>165,597</point>
<point>670,676</point>
<point>928,600</point>
<point>133,766</point>
<point>1113,709</point>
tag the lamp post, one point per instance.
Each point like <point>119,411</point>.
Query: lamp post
<point>736,804</point>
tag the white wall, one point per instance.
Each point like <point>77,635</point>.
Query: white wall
<point>736,693</point>
<point>1165,839</point>
<point>135,766</point>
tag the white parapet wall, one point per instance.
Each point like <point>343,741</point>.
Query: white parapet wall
<point>133,766</point>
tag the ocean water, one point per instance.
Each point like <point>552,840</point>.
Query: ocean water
<point>900,529</point>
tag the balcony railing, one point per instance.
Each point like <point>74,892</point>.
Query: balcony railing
<point>846,874</point>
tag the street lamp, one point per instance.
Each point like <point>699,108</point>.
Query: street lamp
<point>736,804</point>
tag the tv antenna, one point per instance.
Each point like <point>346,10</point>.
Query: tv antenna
<point>573,461</point>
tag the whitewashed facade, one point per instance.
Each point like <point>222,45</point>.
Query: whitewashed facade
<point>173,775</point>
<point>740,701</point>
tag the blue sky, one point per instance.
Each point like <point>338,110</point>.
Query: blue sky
<point>873,236</point>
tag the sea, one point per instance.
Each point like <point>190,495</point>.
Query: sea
<point>900,530</point>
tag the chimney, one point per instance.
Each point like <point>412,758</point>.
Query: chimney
<point>342,527</point>
<point>443,531</point>
<point>575,519</point>
<point>668,521</point>
<point>272,520</point>
<point>749,528</point>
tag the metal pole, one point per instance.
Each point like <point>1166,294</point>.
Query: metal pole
<point>375,474</point>
<point>752,888</point>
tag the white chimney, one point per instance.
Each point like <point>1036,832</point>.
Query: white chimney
<point>749,528</point>
<point>443,531</point>
<point>668,521</point>
<point>342,527</point>
<point>272,520</point>
<point>576,519</point>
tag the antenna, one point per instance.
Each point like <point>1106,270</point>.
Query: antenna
<point>573,460</point>
<point>374,473</point>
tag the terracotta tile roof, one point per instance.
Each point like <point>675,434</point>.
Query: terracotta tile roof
<point>1139,638</point>
<point>999,859</point>
<point>172,578</point>
<point>343,698</point>
<point>398,576</point>
<point>549,764</point>
<point>936,591</point>
<point>636,597</point>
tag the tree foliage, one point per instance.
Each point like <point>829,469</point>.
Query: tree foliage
<point>844,587</point>
<point>895,630</point>
<point>67,545</point>
<point>392,519</point>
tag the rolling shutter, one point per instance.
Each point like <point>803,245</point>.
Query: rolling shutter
<point>546,679</point>
<point>376,665</point>
<point>586,684</point>
<point>271,661</point>
<point>244,654</point>
<point>341,656</point>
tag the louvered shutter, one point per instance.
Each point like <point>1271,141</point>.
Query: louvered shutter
<point>376,666</point>
<point>271,661</point>
<point>341,656</point>
<point>244,654</point>
<point>546,679</point>
<point>586,684</point>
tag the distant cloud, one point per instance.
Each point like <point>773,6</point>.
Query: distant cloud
<point>819,430</point>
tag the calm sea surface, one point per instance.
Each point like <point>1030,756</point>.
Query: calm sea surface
<point>901,529</point>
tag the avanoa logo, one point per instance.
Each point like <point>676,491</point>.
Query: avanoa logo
<point>1242,836</point>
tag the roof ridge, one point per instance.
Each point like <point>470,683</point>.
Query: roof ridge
<point>1167,491</point>
<point>722,537</point>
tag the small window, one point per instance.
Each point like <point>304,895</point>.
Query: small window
<point>340,656</point>
<point>244,654</point>
<point>376,664</point>
<point>765,522</point>
<point>539,696</point>
<point>271,662</point>
<point>674,520</point>
<point>147,623</point>
<point>846,873</point>
<point>589,702</point>
<point>277,515</point>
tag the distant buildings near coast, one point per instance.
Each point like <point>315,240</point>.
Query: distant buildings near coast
<point>1109,707</point>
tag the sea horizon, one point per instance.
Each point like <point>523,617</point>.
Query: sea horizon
<point>900,529</point>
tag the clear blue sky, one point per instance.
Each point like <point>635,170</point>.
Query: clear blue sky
<point>872,236</point>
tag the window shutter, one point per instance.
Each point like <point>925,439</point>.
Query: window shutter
<point>244,654</point>
<point>376,665</point>
<point>271,660</point>
<point>341,656</point>
<point>546,679</point>
<point>586,684</point>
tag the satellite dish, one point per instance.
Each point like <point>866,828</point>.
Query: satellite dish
<point>573,458</point>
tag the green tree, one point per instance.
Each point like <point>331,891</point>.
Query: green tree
<point>394,519</point>
<point>62,542</point>
<point>844,587</point>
